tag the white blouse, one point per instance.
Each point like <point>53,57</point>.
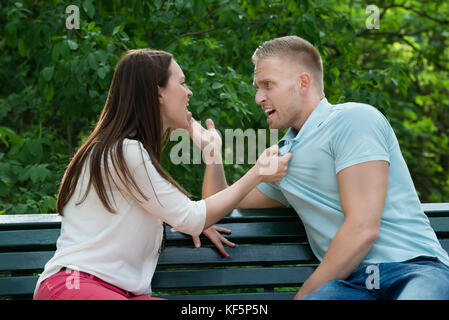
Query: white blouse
<point>122,248</point>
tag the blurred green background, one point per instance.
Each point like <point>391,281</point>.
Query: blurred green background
<point>54,81</point>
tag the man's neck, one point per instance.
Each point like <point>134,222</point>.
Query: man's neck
<point>309,105</point>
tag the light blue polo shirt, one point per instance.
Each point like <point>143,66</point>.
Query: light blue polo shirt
<point>335,137</point>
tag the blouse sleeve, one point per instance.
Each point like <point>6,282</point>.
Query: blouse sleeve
<point>164,200</point>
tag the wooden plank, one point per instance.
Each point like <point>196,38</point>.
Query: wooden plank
<point>239,255</point>
<point>440,226</point>
<point>191,257</point>
<point>193,279</point>
<point>20,261</point>
<point>29,221</point>
<point>38,220</point>
<point>436,209</point>
<point>17,285</point>
<point>26,285</point>
<point>231,278</point>
<point>241,232</point>
<point>249,232</point>
<point>185,257</point>
<point>254,215</point>
<point>28,239</point>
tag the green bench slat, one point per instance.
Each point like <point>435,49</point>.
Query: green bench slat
<point>21,261</point>
<point>440,225</point>
<point>17,285</point>
<point>239,255</point>
<point>241,232</point>
<point>436,209</point>
<point>198,279</point>
<point>28,239</point>
<point>254,215</point>
<point>231,278</point>
<point>52,220</point>
<point>188,257</point>
<point>260,232</point>
<point>185,257</point>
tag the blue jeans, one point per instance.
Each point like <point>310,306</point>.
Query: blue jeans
<point>420,278</point>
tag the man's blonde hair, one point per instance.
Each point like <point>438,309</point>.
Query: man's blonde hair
<point>297,49</point>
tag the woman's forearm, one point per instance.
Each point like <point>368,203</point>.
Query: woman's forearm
<point>214,180</point>
<point>220,204</point>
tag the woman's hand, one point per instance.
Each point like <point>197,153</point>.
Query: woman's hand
<point>214,235</point>
<point>208,140</point>
<point>270,167</point>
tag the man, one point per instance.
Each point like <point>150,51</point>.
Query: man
<point>347,181</point>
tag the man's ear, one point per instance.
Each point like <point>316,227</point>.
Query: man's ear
<point>304,82</point>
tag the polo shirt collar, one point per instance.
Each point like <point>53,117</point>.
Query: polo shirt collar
<point>318,115</point>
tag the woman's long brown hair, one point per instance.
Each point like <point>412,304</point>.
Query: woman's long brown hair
<point>132,108</point>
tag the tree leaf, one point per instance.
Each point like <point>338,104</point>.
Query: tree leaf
<point>72,44</point>
<point>47,73</point>
<point>89,8</point>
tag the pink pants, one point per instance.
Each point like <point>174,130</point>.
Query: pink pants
<point>75,285</point>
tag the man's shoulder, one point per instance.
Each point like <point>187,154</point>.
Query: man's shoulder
<point>356,113</point>
<point>349,108</point>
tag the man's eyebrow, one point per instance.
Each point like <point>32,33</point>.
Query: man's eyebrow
<point>261,81</point>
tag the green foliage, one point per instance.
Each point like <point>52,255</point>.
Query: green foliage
<point>54,81</point>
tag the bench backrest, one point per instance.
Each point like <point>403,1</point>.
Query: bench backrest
<point>271,259</point>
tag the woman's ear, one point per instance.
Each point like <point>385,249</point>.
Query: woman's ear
<point>160,95</point>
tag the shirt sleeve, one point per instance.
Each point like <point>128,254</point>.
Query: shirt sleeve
<point>164,200</point>
<point>273,191</point>
<point>364,135</point>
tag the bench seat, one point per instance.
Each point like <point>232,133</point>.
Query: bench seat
<point>270,261</point>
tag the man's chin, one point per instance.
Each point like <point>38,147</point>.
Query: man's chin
<point>274,126</point>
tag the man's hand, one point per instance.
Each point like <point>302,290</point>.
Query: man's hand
<point>214,235</point>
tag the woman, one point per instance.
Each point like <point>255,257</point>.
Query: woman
<point>115,197</point>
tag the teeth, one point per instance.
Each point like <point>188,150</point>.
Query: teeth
<point>267,111</point>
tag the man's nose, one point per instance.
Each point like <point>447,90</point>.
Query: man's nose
<point>260,97</point>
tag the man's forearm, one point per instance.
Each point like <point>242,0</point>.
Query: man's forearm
<point>346,251</point>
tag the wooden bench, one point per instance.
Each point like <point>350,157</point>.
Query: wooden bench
<point>271,258</point>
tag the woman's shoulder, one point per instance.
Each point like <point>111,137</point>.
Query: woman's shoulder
<point>134,152</point>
